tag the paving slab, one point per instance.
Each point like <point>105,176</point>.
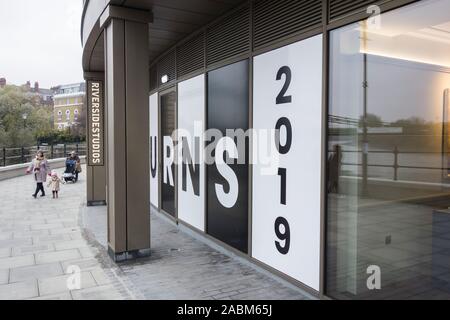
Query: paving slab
<point>71,244</point>
<point>16,242</point>
<point>33,234</point>
<point>63,220</point>
<point>87,252</point>
<point>5,252</point>
<point>100,276</point>
<point>54,285</point>
<point>60,296</point>
<point>4,276</point>
<point>15,262</point>
<point>84,264</point>
<point>57,256</point>
<point>50,238</point>
<point>19,290</point>
<point>35,272</point>
<point>26,250</point>
<point>97,293</point>
<point>46,226</point>
<point>6,236</point>
<point>66,231</point>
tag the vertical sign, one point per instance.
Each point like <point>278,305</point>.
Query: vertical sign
<point>286,198</point>
<point>191,169</point>
<point>154,154</point>
<point>228,112</point>
<point>95,123</point>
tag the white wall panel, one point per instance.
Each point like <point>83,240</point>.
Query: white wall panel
<point>154,150</point>
<point>191,172</point>
<point>286,201</point>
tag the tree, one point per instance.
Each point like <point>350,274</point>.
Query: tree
<point>416,125</point>
<point>55,136</point>
<point>2,137</point>
<point>372,121</point>
<point>21,117</point>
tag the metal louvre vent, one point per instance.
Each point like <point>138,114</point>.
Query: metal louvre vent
<point>229,37</point>
<point>277,20</point>
<point>153,78</point>
<point>190,56</point>
<point>166,67</point>
<point>342,8</point>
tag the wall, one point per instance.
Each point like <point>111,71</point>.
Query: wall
<point>19,170</point>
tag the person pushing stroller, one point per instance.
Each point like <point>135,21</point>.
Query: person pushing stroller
<point>73,167</point>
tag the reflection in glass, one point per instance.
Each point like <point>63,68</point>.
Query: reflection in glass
<point>388,185</point>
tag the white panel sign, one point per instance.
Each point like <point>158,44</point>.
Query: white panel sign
<point>191,169</point>
<point>286,195</point>
<point>154,150</point>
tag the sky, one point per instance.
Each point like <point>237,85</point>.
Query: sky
<point>40,41</point>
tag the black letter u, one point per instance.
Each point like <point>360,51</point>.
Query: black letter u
<point>153,157</point>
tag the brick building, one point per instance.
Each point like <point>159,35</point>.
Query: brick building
<point>68,105</point>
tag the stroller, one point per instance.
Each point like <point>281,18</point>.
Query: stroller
<point>70,172</point>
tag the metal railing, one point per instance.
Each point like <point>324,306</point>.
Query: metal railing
<point>12,156</point>
<point>396,166</point>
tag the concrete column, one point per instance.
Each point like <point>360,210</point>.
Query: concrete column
<point>95,174</point>
<point>128,172</point>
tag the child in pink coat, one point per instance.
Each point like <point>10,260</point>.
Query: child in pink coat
<point>55,182</point>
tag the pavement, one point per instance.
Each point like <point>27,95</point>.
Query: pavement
<point>55,249</point>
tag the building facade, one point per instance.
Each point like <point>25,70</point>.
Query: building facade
<point>69,103</point>
<point>309,137</point>
<point>41,95</point>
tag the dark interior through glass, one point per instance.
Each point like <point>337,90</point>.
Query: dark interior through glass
<point>168,126</point>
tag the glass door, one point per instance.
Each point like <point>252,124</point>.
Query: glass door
<point>167,151</point>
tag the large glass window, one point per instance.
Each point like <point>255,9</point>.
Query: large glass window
<point>388,167</point>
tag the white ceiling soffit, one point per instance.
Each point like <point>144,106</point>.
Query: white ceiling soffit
<point>415,17</point>
<point>419,33</point>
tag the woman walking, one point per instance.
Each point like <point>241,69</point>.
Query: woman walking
<point>39,169</point>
